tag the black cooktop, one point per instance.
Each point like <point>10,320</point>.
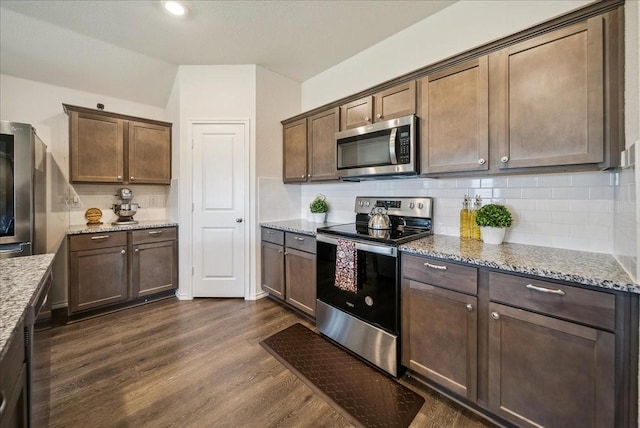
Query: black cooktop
<point>398,234</point>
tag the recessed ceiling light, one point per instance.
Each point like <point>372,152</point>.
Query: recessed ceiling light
<point>175,8</point>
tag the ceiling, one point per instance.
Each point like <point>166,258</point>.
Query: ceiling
<point>132,49</point>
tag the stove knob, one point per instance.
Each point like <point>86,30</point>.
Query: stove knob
<point>412,205</point>
<point>368,203</point>
<point>361,203</point>
<point>420,205</point>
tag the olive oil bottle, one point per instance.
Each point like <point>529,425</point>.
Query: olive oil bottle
<point>474,229</point>
<point>465,214</point>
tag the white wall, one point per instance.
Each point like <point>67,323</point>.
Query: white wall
<point>206,93</point>
<point>41,105</point>
<point>459,27</point>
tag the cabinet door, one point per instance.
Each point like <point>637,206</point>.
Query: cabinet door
<point>273,269</point>
<point>97,278</point>
<point>439,336</point>
<point>395,102</point>
<point>154,268</point>
<point>149,153</point>
<point>322,145</point>
<point>356,113</point>
<point>548,372</point>
<point>454,112</point>
<point>96,148</point>
<point>294,146</point>
<point>301,280</point>
<point>549,102</point>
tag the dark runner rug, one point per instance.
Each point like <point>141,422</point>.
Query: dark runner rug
<point>362,394</point>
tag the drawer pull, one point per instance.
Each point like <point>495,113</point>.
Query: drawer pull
<point>99,238</point>
<point>545,290</point>
<point>123,251</point>
<point>469,307</point>
<point>495,315</point>
<point>270,232</point>
<point>432,266</point>
<point>298,239</point>
<point>155,232</point>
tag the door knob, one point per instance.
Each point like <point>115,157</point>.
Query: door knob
<point>238,220</point>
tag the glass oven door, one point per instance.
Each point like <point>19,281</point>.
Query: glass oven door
<point>376,300</point>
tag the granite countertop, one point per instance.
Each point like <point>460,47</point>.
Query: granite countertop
<point>592,269</point>
<point>108,227</point>
<point>19,280</point>
<point>299,226</point>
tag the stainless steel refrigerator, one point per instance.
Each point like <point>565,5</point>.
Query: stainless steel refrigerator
<point>23,226</point>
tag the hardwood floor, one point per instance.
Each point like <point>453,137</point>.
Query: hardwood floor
<point>194,364</point>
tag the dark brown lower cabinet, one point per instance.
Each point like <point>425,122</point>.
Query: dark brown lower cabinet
<point>273,269</point>
<point>440,336</point>
<point>153,268</point>
<point>98,277</point>
<point>13,383</point>
<point>289,268</point>
<point>115,267</point>
<point>521,350</point>
<point>300,279</point>
<point>549,372</point>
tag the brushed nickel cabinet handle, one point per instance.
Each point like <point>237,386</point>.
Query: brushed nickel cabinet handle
<point>298,239</point>
<point>119,177</point>
<point>269,232</point>
<point>367,119</point>
<point>280,251</point>
<point>132,178</point>
<point>155,232</point>
<point>504,159</point>
<point>99,238</point>
<point>136,250</point>
<point>432,266</point>
<point>481,161</point>
<point>469,307</point>
<point>123,251</point>
<point>302,176</point>
<point>495,315</point>
<point>379,116</point>
<point>545,290</point>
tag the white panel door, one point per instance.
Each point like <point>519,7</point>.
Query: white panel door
<point>219,209</point>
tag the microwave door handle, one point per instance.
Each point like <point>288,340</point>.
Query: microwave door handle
<point>392,146</point>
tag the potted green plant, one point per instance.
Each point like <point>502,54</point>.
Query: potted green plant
<point>493,219</point>
<point>319,209</point>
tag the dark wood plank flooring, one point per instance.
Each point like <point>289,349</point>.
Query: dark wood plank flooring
<point>194,364</point>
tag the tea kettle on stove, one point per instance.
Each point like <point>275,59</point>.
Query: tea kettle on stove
<point>379,219</point>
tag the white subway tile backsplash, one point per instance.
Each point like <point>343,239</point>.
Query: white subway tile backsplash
<point>537,193</point>
<point>570,193</point>
<point>554,180</point>
<point>548,208</point>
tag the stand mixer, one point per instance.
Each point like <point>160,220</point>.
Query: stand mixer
<point>125,209</point>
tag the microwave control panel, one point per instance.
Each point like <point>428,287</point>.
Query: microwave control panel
<point>404,149</point>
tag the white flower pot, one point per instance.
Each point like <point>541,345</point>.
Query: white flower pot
<point>318,217</point>
<point>492,235</point>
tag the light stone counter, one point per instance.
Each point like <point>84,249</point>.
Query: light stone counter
<point>19,281</point>
<point>108,227</point>
<point>586,268</point>
<point>298,226</point>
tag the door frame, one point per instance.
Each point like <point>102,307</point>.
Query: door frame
<point>185,202</point>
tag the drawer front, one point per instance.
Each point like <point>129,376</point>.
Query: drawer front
<point>300,242</point>
<point>573,303</point>
<point>94,241</point>
<point>11,363</point>
<point>273,236</point>
<point>442,274</point>
<point>154,235</point>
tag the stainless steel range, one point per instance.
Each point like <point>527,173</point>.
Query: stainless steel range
<point>358,279</point>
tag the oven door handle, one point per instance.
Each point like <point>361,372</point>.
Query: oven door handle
<point>362,246</point>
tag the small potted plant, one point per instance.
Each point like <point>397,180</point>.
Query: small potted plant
<point>493,219</point>
<point>319,209</point>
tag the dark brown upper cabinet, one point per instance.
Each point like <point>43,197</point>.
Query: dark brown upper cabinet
<point>453,105</point>
<point>549,98</point>
<point>112,148</point>
<point>388,104</point>
<point>294,151</point>
<point>321,144</point>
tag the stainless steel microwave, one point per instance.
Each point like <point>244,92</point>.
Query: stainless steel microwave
<point>383,149</point>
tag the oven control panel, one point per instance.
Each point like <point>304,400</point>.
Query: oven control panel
<point>421,207</point>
